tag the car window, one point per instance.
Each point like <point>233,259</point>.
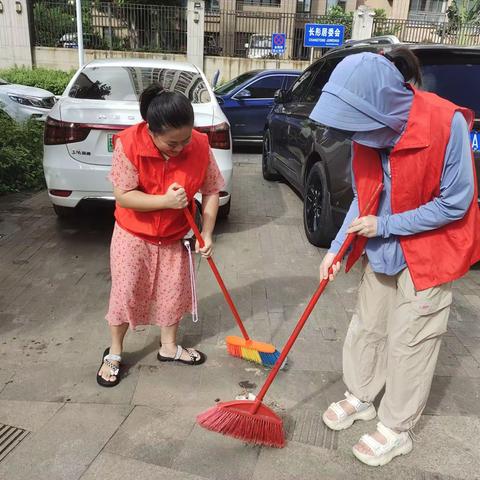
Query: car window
<point>236,82</point>
<point>300,86</point>
<point>265,87</point>
<point>127,83</point>
<point>321,78</point>
<point>289,79</point>
<point>455,82</point>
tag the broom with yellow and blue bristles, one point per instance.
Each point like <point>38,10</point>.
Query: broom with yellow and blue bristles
<point>259,352</point>
<point>250,420</point>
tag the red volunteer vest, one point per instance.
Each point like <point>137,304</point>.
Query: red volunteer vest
<point>155,175</point>
<point>416,163</point>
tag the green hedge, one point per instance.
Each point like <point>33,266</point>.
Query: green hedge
<point>54,81</point>
<point>21,153</point>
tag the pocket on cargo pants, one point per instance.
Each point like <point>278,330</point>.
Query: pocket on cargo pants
<point>429,310</point>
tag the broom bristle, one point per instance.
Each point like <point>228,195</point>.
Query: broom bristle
<point>269,359</point>
<point>234,350</point>
<point>265,359</point>
<point>255,429</point>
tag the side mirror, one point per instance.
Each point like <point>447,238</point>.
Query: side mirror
<point>280,96</point>
<point>243,94</point>
<point>215,78</point>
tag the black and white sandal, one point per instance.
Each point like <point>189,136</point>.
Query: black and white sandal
<point>115,371</point>
<point>197,358</point>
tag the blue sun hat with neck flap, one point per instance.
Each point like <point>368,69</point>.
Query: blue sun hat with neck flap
<point>365,92</point>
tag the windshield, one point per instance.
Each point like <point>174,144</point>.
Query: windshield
<point>260,42</point>
<point>127,83</point>
<point>232,84</point>
<point>455,82</point>
<point>3,82</point>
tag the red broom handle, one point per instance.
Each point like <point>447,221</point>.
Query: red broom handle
<point>311,305</point>
<point>215,271</point>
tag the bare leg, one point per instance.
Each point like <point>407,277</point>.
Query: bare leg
<point>118,334</point>
<point>168,339</point>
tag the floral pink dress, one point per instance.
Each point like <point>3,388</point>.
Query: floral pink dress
<point>150,283</point>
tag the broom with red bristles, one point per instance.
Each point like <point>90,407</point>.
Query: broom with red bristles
<point>250,420</point>
<point>259,352</point>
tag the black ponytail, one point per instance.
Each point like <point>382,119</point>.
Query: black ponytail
<point>407,62</point>
<point>163,110</point>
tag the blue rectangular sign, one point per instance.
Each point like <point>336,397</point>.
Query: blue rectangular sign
<point>279,42</point>
<point>318,35</point>
<point>475,140</point>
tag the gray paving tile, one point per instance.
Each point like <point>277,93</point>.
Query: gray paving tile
<point>153,435</point>
<point>113,467</point>
<point>54,287</point>
<point>66,382</point>
<point>64,447</point>
<point>28,415</point>
<point>216,457</point>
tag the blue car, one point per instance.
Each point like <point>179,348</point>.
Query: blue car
<point>247,99</point>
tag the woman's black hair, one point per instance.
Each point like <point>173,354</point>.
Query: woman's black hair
<point>163,110</point>
<point>407,62</point>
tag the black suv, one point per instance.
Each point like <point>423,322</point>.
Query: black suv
<point>320,170</point>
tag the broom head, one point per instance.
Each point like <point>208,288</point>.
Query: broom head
<point>263,353</point>
<point>236,420</point>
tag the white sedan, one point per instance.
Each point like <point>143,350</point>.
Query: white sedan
<point>22,103</point>
<point>102,99</point>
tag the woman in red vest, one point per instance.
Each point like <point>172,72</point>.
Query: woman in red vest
<point>423,234</point>
<point>158,166</point>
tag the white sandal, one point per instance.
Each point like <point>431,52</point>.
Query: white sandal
<point>363,411</point>
<point>397,444</point>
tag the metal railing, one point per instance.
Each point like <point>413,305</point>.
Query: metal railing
<point>157,28</point>
<point>417,31</point>
<point>248,33</point>
<point>106,26</point>
<point>435,17</point>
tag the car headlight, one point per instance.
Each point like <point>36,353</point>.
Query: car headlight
<point>30,101</point>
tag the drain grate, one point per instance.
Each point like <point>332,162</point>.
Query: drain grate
<point>10,437</point>
<point>306,426</point>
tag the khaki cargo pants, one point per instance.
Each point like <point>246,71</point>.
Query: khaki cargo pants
<point>393,340</point>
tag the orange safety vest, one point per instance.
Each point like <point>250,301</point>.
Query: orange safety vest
<point>416,164</point>
<point>155,175</point>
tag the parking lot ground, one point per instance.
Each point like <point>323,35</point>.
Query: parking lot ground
<point>53,297</point>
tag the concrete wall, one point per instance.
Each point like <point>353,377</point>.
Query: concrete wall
<point>67,59</point>
<point>15,35</point>
<point>231,67</point>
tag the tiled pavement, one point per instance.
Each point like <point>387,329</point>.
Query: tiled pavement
<point>53,294</point>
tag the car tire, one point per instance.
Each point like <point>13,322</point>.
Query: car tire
<point>317,211</point>
<point>64,212</point>
<point>224,210</point>
<point>268,172</point>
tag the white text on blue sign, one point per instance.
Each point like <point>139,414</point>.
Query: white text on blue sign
<point>318,35</point>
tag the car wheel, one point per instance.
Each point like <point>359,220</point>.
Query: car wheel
<point>269,173</point>
<point>224,210</point>
<point>317,213</point>
<point>64,212</point>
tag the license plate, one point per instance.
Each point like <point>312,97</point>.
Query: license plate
<point>110,142</point>
<point>475,139</point>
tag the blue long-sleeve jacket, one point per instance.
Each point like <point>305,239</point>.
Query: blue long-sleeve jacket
<point>456,192</point>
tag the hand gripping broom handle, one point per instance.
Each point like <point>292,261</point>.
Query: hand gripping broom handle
<point>215,271</point>
<point>311,305</point>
